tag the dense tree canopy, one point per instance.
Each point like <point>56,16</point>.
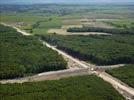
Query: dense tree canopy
<point>75,88</point>
<point>21,55</point>
<point>101,50</point>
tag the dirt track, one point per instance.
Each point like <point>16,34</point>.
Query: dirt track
<point>124,89</point>
<point>54,75</point>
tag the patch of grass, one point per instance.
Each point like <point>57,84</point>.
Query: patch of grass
<point>40,31</point>
<point>44,26</point>
<point>125,74</point>
<point>75,88</point>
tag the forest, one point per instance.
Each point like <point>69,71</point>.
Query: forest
<point>100,50</point>
<point>104,30</point>
<point>21,55</point>
<point>73,88</point>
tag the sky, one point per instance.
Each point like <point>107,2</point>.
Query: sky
<point>62,1</point>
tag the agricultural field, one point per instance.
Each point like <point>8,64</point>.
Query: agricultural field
<point>85,88</point>
<point>21,55</point>
<point>31,23</point>
<point>125,74</point>
<point>38,19</point>
<point>101,50</point>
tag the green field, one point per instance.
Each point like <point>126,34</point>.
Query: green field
<point>21,55</point>
<point>21,17</point>
<point>125,74</point>
<point>101,50</point>
<point>39,15</point>
<point>33,23</point>
<point>43,27</point>
<point>75,88</point>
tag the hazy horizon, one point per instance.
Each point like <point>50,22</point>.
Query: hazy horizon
<point>63,1</point>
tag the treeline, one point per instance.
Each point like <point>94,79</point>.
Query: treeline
<point>104,30</point>
<point>74,88</point>
<point>21,55</point>
<point>101,50</point>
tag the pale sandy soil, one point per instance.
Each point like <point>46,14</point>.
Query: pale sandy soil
<point>79,23</point>
<point>64,32</point>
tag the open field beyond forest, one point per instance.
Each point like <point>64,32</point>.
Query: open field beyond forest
<point>125,74</point>
<point>21,55</point>
<point>74,88</point>
<point>101,50</point>
<point>34,24</point>
<point>38,19</point>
